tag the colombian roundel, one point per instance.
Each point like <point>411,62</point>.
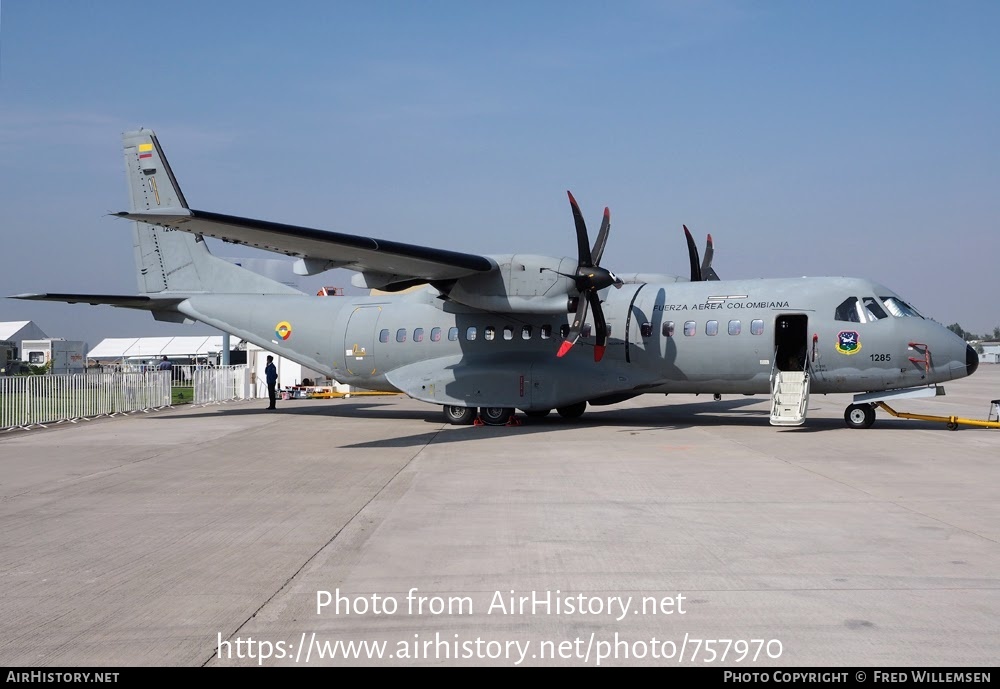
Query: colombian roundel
<point>283,330</point>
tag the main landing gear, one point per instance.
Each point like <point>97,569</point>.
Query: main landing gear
<point>503,416</point>
<point>465,416</point>
<point>459,416</point>
<point>495,416</point>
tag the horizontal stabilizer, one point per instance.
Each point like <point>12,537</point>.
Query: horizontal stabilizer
<point>144,303</point>
<point>340,250</point>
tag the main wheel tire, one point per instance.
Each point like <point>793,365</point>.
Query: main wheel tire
<point>495,416</point>
<point>537,413</point>
<point>573,411</point>
<point>860,416</point>
<point>459,416</point>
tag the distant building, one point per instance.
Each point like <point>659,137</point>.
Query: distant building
<point>19,331</point>
<point>990,353</point>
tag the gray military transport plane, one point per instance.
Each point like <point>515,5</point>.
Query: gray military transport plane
<point>486,335</point>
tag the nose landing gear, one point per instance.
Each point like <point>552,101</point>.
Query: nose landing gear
<point>860,415</point>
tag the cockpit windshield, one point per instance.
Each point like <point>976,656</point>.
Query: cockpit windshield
<point>899,308</point>
<point>850,310</point>
<point>873,310</point>
<point>869,309</point>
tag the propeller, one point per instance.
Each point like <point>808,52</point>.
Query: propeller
<point>703,271</point>
<point>589,279</point>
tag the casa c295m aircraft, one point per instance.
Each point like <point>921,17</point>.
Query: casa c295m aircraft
<point>488,335</point>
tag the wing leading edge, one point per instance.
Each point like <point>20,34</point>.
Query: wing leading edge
<point>323,250</point>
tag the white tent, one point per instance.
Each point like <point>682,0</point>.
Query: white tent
<point>114,348</point>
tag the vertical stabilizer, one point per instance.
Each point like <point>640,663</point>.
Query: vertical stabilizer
<point>169,260</point>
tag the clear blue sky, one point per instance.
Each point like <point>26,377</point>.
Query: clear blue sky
<point>810,138</point>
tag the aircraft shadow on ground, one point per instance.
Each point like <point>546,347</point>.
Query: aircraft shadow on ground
<point>707,414</point>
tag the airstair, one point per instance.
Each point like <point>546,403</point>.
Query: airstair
<point>789,397</point>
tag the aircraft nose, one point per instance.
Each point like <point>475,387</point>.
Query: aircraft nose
<point>971,360</point>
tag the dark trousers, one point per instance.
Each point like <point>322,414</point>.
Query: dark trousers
<point>272,393</point>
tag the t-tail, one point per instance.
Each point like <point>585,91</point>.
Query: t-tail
<point>170,265</point>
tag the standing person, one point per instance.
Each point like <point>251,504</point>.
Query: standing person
<point>272,380</point>
<point>165,364</point>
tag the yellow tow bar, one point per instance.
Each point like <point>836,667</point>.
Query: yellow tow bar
<point>341,395</point>
<point>953,422</point>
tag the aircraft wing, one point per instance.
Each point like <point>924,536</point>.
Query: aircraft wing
<point>323,250</point>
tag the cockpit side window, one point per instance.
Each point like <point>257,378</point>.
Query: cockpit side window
<point>873,310</point>
<point>850,310</point>
<point>899,308</point>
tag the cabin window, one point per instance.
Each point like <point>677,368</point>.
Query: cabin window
<point>850,311</point>
<point>435,334</point>
<point>585,331</point>
<point>545,332</point>
<point>646,329</point>
<point>899,308</point>
<point>689,328</point>
<point>470,333</point>
<point>525,332</point>
<point>873,310</point>
<point>452,334</point>
<point>734,327</point>
<point>489,333</point>
<point>668,329</point>
<point>508,332</point>
<point>418,334</point>
<point>712,328</point>
<point>401,335</point>
<point>384,335</point>
<point>563,331</point>
<point>757,327</point>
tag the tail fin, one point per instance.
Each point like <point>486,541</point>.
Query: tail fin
<point>167,260</point>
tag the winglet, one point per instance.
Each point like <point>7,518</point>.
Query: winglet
<point>599,352</point>
<point>564,347</point>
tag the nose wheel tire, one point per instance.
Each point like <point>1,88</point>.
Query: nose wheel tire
<point>459,416</point>
<point>495,416</point>
<point>860,416</point>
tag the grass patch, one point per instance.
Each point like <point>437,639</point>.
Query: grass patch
<point>181,395</point>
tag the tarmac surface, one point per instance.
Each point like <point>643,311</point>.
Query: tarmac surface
<point>150,539</point>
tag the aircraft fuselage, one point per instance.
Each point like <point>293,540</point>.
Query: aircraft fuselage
<point>684,337</point>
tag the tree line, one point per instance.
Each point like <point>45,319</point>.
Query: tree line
<point>969,336</point>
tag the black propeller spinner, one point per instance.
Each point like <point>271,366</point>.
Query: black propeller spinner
<point>589,279</point>
<point>704,271</point>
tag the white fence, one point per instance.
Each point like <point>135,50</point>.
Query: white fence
<point>222,384</point>
<point>27,401</point>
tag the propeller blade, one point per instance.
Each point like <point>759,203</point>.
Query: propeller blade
<point>602,237</point>
<point>693,256</point>
<point>582,240</point>
<point>707,271</point>
<point>600,325</point>
<point>574,332</point>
